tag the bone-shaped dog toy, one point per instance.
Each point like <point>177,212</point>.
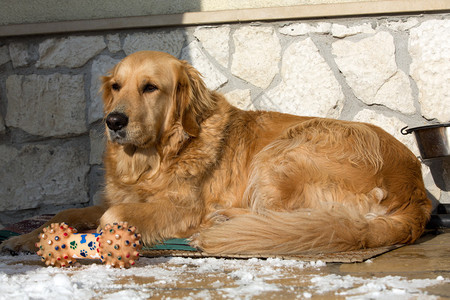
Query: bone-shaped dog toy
<point>117,245</point>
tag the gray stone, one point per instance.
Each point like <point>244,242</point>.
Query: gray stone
<point>113,43</point>
<point>96,184</point>
<point>100,67</point>
<point>19,54</point>
<point>367,64</point>
<point>71,52</point>
<point>429,47</point>
<point>256,56</point>
<point>301,91</point>
<point>241,99</point>
<point>2,124</point>
<point>97,199</point>
<point>215,41</point>
<point>46,105</point>
<point>211,75</point>
<point>98,143</point>
<point>170,42</point>
<point>390,124</point>
<point>36,175</point>
<point>4,55</point>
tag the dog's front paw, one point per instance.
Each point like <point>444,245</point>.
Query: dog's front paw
<point>25,243</point>
<point>114,214</point>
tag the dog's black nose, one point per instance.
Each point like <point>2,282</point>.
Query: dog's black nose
<point>116,121</point>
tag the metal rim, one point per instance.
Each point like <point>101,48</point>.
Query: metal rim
<point>405,130</point>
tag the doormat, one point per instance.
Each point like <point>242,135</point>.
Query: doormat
<point>181,248</point>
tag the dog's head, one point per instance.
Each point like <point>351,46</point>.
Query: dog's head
<point>147,94</point>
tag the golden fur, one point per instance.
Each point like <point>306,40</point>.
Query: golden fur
<point>187,164</point>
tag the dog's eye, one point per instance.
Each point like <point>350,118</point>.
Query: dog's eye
<point>148,88</point>
<point>115,86</point>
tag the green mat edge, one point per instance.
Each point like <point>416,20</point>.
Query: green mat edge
<point>172,244</point>
<point>6,234</point>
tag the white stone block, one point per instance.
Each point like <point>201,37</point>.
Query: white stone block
<point>401,25</point>
<point>215,41</point>
<point>212,77</point>
<point>429,47</point>
<point>4,55</point>
<point>391,125</point>
<point>256,56</point>
<point>305,28</point>
<point>445,197</point>
<point>71,52</point>
<point>341,31</point>
<point>19,54</point>
<point>36,175</point>
<point>240,99</point>
<point>100,67</point>
<point>308,86</point>
<point>370,70</point>
<point>170,42</point>
<point>396,93</point>
<point>46,105</point>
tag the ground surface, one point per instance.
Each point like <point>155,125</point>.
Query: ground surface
<point>420,271</point>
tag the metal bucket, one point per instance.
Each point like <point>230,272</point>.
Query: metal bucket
<point>433,140</point>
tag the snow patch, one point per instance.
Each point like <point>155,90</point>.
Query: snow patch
<point>24,277</point>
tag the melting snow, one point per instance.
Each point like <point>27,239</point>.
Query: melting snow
<point>24,277</point>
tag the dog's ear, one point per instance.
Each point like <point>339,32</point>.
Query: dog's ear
<point>105,89</point>
<point>191,94</point>
<point>190,124</point>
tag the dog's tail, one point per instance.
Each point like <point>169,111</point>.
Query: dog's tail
<point>335,228</point>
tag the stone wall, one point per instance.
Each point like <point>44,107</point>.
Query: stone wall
<point>390,71</point>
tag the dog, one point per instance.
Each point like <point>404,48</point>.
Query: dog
<point>181,162</point>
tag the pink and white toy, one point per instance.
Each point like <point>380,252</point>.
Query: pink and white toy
<point>117,245</point>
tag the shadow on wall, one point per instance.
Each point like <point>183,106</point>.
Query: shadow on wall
<point>440,170</point>
<point>53,161</point>
<point>173,40</point>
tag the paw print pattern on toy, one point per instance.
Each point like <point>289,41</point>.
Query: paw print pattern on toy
<point>73,245</point>
<point>118,245</point>
<point>92,245</point>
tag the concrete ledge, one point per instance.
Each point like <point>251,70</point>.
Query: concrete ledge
<point>231,16</point>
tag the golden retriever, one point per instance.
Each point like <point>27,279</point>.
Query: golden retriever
<point>182,162</point>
